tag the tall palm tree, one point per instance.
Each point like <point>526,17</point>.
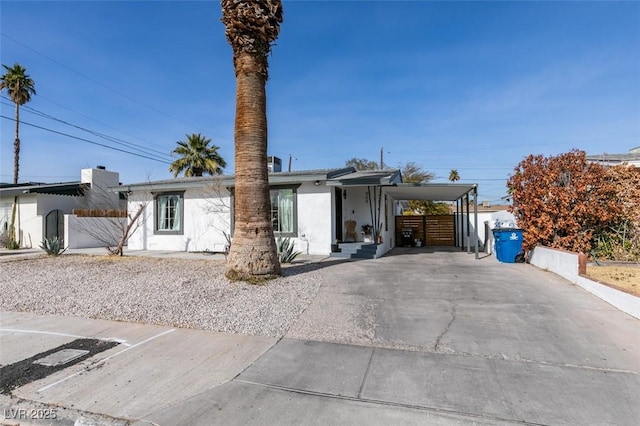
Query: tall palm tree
<point>251,27</point>
<point>20,87</point>
<point>454,175</point>
<point>197,157</point>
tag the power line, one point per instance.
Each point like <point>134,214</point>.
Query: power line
<point>118,141</point>
<point>99,83</point>
<point>92,119</point>
<point>87,140</point>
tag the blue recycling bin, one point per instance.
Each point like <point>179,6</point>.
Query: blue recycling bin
<point>508,243</point>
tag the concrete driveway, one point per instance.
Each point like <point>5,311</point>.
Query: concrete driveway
<point>416,337</point>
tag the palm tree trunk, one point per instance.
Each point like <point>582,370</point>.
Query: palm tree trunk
<point>16,146</point>
<point>16,167</point>
<point>253,251</point>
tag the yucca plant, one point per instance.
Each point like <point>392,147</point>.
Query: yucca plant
<point>286,252</point>
<point>53,246</point>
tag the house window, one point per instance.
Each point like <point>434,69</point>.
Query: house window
<point>169,213</point>
<point>284,215</point>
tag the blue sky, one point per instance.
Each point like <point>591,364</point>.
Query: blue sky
<point>474,86</point>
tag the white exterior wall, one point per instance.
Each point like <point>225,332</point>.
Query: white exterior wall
<point>314,219</point>
<point>29,224</point>
<point>205,218</point>
<point>356,207</point>
<point>49,202</point>
<point>99,197</point>
<point>139,239</point>
<point>483,217</point>
<point>33,208</point>
<point>80,232</point>
<point>5,215</point>
<point>31,213</point>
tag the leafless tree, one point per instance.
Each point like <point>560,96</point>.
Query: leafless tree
<point>111,224</point>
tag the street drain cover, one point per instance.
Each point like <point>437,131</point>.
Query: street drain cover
<point>61,357</point>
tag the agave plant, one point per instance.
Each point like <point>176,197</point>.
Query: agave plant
<point>53,246</point>
<point>286,251</point>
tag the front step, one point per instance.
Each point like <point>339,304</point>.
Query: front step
<point>356,251</point>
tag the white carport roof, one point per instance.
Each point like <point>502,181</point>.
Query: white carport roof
<point>390,181</point>
<point>439,192</point>
<point>429,191</point>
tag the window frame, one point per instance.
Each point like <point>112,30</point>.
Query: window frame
<point>293,187</point>
<point>156,213</point>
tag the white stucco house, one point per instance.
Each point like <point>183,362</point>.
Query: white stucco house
<point>44,210</point>
<point>631,158</point>
<point>314,208</point>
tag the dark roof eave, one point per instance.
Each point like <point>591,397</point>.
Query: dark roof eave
<point>279,178</point>
<point>75,189</point>
<point>375,178</point>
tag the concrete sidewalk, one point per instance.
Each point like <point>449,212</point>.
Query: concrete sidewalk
<point>417,337</point>
<point>153,367</point>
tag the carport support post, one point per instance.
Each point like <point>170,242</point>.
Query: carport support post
<point>459,219</point>
<point>458,225</point>
<point>466,202</point>
<point>475,218</point>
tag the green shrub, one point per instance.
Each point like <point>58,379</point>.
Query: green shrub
<point>12,245</point>
<point>621,243</point>
<point>286,251</point>
<point>53,246</point>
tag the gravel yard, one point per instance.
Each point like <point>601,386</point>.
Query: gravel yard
<point>175,292</point>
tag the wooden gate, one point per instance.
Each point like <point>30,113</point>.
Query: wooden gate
<point>441,230</point>
<point>431,230</point>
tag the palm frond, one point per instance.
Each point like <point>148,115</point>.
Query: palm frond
<point>18,84</point>
<point>197,157</point>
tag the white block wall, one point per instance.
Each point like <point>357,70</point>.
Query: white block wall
<point>560,262</point>
<point>565,264</point>
<point>90,232</point>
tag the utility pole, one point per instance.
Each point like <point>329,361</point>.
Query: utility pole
<point>381,158</point>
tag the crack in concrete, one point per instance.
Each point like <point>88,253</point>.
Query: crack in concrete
<point>375,344</point>
<point>505,396</point>
<point>366,374</point>
<point>446,329</point>
<point>503,357</point>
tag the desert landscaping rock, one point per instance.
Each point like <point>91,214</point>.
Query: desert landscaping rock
<point>175,292</point>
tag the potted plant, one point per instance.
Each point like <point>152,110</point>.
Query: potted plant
<point>379,233</point>
<point>335,247</point>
